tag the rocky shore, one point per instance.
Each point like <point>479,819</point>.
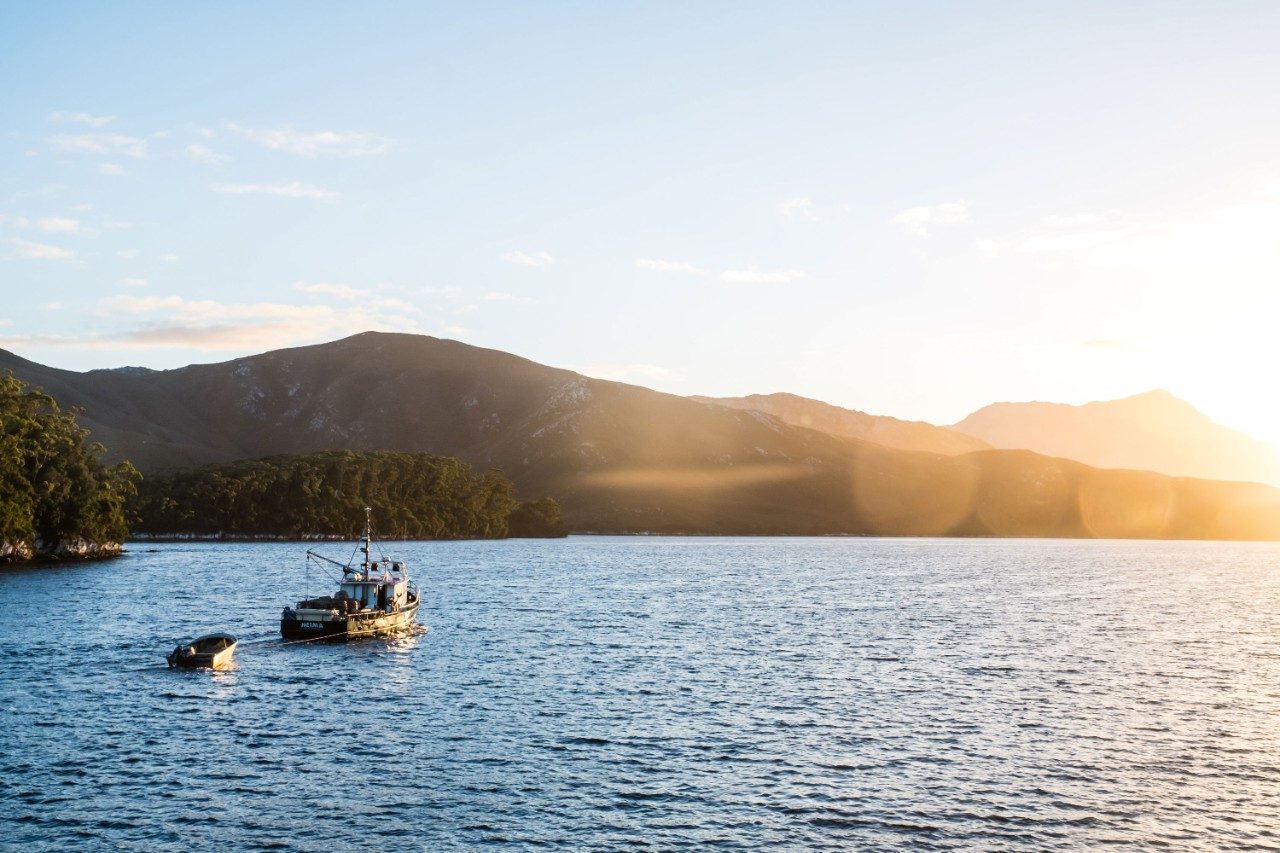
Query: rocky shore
<point>240,537</point>
<point>67,549</point>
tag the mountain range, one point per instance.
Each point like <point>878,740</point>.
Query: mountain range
<point>622,458</point>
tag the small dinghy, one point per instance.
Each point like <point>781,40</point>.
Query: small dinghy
<point>212,651</point>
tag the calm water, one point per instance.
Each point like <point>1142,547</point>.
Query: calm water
<point>606,693</point>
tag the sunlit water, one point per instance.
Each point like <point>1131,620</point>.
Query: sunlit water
<point>614,692</point>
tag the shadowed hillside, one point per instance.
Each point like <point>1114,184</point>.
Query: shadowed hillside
<point>620,457</point>
<point>1154,431</point>
<point>850,423</point>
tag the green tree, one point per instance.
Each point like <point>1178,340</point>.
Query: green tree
<point>54,488</point>
<point>413,496</point>
<point>536,519</point>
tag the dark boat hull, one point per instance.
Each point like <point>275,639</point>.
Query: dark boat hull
<point>198,661</point>
<point>354,626</point>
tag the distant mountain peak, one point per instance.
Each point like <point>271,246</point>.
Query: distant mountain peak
<point>1155,394</point>
<point>1154,430</point>
<point>1154,397</point>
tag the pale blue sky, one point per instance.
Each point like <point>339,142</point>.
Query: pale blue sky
<point>907,208</point>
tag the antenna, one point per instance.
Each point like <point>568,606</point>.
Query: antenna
<point>368,535</point>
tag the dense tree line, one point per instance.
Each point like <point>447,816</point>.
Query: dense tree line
<point>540,518</point>
<point>54,489</point>
<point>413,496</point>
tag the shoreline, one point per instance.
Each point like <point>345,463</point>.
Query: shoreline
<point>65,551</point>
<point>312,537</point>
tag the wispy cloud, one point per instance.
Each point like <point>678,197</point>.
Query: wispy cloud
<point>40,251</point>
<point>390,306</point>
<point>110,169</point>
<point>375,301</point>
<point>208,325</point>
<point>50,224</point>
<point>500,296</point>
<point>204,154</point>
<point>293,189</point>
<point>134,282</point>
<point>342,291</point>
<point>58,224</point>
<point>747,275</point>
<point>315,143</point>
<point>525,259</point>
<point>753,276</point>
<point>66,117</point>
<point>101,143</point>
<point>208,310</point>
<point>806,209</point>
<point>46,191</point>
<point>1233,246</point>
<point>1075,220</point>
<point>129,254</point>
<point>919,220</point>
<point>798,208</point>
<point>659,265</point>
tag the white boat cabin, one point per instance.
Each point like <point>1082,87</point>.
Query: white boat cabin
<point>381,587</point>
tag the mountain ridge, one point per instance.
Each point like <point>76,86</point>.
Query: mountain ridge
<point>852,423</point>
<point>1153,430</point>
<point>623,458</point>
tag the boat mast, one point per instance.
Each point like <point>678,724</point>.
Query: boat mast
<point>368,536</point>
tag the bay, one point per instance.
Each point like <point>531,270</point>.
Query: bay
<point>601,692</point>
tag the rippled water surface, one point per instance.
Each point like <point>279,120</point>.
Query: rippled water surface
<point>615,692</point>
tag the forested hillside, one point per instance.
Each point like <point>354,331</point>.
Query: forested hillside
<point>413,496</point>
<point>56,497</point>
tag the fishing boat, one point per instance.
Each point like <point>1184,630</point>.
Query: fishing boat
<point>212,651</point>
<point>375,598</point>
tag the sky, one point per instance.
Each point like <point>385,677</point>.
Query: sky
<point>906,208</point>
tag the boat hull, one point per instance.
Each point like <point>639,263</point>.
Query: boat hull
<point>212,652</point>
<point>354,626</point>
